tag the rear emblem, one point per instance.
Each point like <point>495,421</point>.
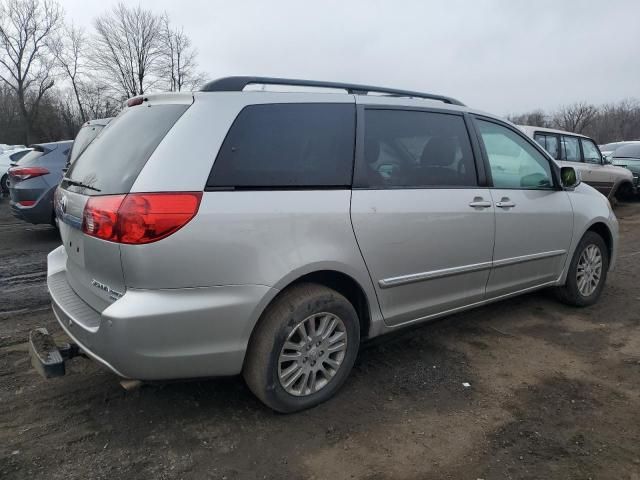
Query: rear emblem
<point>113,294</point>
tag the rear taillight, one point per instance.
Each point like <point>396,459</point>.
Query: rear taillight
<point>26,203</point>
<point>139,218</point>
<point>24,173</point>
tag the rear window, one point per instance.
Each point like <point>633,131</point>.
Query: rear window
<point>112,162</point>
<point>17,156</point>
<point>287,145</point>
<point>83,139</point>
<point>34,154</point>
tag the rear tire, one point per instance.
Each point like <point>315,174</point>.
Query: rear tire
<point>317,357</point>
<point>587,272</point>
<point>624,192</point>
<point>4,184</point>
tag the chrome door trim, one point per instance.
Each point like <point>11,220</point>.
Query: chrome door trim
<point>527,258</point>
<point>446,272</point>
<point>419,277</point>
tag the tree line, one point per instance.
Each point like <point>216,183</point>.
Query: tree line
<point>611,122</point>
<point>55,75</point>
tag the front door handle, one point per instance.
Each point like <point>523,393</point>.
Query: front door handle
<point>505,203</point>
<point>479,203</point>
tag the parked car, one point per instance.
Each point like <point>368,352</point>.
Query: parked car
<point>582,153</point>
<point>225,231</point>
<point>628,156</point>
<point>87,134</point>
<point>609,149</point>
<point>33,181</point>
<point>6,159</point>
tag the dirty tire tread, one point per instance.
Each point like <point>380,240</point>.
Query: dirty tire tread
<point>569,293</point>
<point>273,327</point>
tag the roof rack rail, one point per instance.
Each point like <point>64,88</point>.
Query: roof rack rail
<point>237,84</point>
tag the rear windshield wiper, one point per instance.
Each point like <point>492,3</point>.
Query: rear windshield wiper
<point>81,185</point>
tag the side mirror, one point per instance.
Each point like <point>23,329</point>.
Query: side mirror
<point>569,177</point>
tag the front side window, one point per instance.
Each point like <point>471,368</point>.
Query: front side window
<point>549,143</point>
<point>570,149</point>
<point>514,162</point>
<point>590,151</point>
<point>415,149</point>
<point>287,146</point>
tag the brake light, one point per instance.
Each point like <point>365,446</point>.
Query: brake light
<point>23,173</point>
<point>139,218</point>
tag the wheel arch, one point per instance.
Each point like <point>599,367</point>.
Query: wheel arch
<point>603,230</point>
<point>363,300</point>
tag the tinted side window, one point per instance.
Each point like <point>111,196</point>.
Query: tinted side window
<point>549,143</point>
<point>514,162</point>
<point>288,145</point>
<point>570,149</point>
<point>590,151</point>
<point>415,149</point>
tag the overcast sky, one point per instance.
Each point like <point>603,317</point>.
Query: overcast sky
<point>502,56</point>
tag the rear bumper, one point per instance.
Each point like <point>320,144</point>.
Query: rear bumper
<point>41,211</point>
<point>161,334</point>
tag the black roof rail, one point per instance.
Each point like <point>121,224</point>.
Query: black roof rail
<point>237,84</point>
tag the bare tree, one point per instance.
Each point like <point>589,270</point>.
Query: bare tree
<point>26,65</point>
<point>575,117</point>
<point>536,118</point>
<point>70,49</point>
<point>178,63</point>
<point>127,48</point>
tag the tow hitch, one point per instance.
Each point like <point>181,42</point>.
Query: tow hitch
<point>48,358</point>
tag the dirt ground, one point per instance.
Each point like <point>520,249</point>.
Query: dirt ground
<point>554,393</point>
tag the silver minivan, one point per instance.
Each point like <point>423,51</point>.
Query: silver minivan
<point>271,233</point>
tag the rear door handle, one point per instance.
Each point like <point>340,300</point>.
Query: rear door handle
<point>480,204</point>
<point>505,203</point>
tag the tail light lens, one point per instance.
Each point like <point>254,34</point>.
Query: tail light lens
<point>24,173</point>
<point>139,218</point>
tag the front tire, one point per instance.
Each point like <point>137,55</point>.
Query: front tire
<point>4,184</point>
<point>303,348</point>
<point>587,272</point>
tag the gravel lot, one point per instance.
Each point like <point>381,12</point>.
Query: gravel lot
<point>554,393</point>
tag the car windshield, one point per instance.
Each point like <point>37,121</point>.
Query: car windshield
<point>83,139</point>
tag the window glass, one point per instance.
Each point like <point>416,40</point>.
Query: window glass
<point>288,145</point>
<point>549,143</point>
<point>590,151</point>
<point>112,162</point>
<point>17,156</point>
<point>415,149</point>
<point>571,149</point>
<point>514,162</point>
<point>85,136</point>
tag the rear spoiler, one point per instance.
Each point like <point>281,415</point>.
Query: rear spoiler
<point>161,98</point>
